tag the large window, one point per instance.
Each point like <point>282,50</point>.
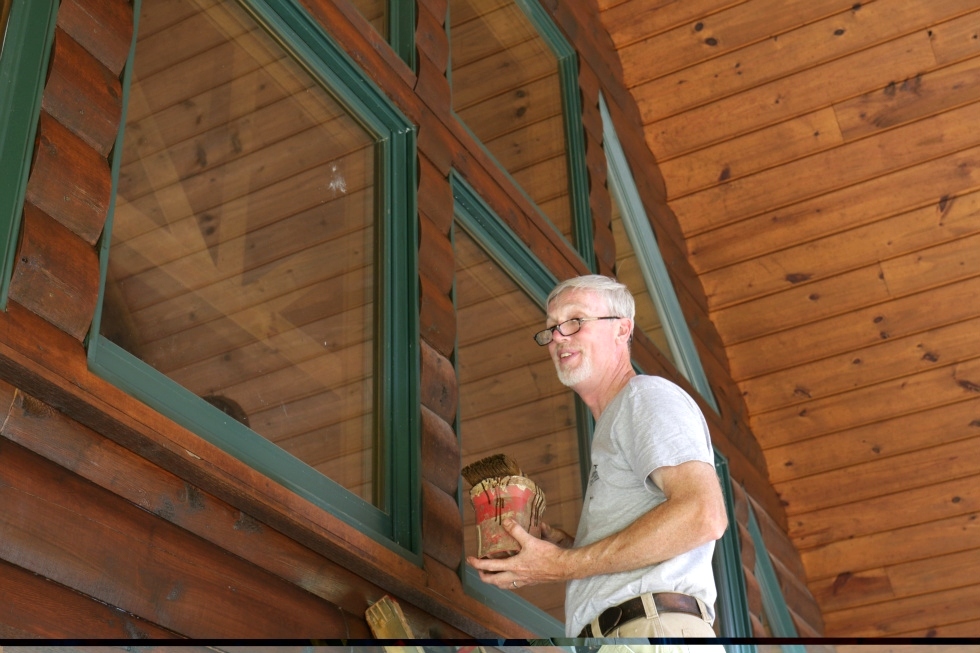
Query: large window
<point>256,266</point>
<point>511,401</point>
<point>515,86</point>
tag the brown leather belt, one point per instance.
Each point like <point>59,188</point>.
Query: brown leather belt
<point>633,609</point>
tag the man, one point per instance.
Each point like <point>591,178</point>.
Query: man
<point>640,563</point>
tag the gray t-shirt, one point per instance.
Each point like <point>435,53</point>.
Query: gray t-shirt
<point>651,423</point>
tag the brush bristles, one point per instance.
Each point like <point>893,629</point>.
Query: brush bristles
<point>493,466</point>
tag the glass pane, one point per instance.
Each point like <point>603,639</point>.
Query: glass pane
<point>510,399</point>
<point>376,13</point>
<point>242,246</point>
<point>628,271</point>
<point>506,89</point>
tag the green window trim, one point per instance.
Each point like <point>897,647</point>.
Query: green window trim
<point>397,351</point>
<point>500,242</point>
<point>24,57</point>
<point>401,30</point>
<point>637,225</point>
<point>578,174</point>
<point>773,604</point>
<point>124,370</point>
<point>732,603</point>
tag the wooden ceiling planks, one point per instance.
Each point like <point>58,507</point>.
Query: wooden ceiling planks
<point>629,21</point>
<point>823,164</point>
<point>789,97</point>
<point>893,150</point>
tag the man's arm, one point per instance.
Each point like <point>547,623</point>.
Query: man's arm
<point>693,514</point>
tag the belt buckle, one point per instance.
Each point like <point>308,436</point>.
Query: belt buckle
<point>609,619</point>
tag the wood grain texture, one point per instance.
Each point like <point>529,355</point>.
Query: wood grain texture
<point>82,94</point>
<point>129,423</point>
<point>204,501</point>
<point>90,526</point>
<point>439,389</point>
<point>103,27</point>
<point>822,168</point>
<point>440,453</point>
<point>69,181</point>
<point>56,273</point>
<point>46,610</point>
<point>442,526</point>
<point>104,463</point>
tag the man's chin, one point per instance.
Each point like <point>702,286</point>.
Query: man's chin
<point>572,377</point>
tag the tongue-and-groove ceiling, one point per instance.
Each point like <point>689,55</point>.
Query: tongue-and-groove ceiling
<point>823,160</point>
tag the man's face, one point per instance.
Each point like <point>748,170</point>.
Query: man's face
<point>577,356</point>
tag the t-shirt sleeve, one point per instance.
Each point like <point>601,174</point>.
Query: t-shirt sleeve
<point>668,428</point>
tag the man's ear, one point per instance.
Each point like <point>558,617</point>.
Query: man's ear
<point>626,329</point>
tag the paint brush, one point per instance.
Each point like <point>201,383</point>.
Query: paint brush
<point>494,466</point>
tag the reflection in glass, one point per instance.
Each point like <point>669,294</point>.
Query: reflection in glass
<point>510,399</point>
<point>241,256</point>
<point>506,88</point>
<point>628,271</point>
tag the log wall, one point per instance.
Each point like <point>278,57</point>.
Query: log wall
<point>139,514</point>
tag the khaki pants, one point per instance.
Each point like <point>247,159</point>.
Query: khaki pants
<point>662,648</point>
<point>667,624</point>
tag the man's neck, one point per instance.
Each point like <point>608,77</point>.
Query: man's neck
<point>601,393</point>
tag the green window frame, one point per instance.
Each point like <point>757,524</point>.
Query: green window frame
<point>773,604</point>
<point>401,30</point>
<point>637,225</point>
<point>578,174</point>
<point>731,606</point>
<point>397,328</point>
<point>24,56</point>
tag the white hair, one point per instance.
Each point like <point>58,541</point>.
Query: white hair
<point>617,296</point>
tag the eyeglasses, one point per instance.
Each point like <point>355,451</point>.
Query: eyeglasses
<point>566,328</point>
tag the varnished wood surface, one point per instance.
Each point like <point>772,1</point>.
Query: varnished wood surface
<point>83,94</point>
<point>46,610</point>
<point>823,163</point>
<point>43,362</point>
<point>93,527</point>
<point>56,274</point>
<point>117,418</point>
